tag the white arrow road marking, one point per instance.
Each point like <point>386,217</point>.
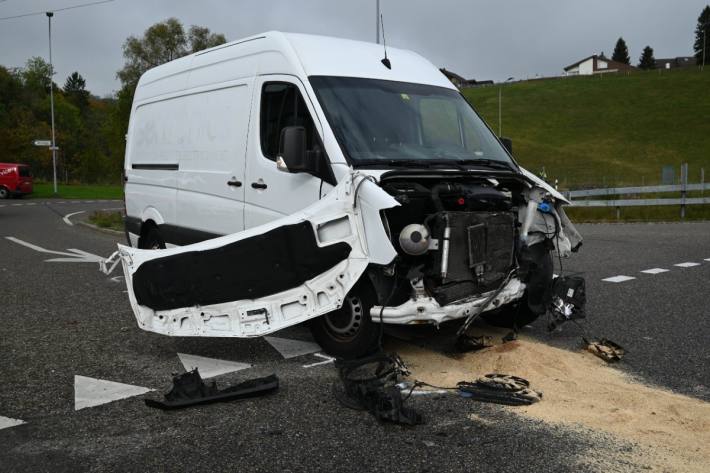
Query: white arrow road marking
<point>210,367</point>
<point>76,256</point>
<point>89,392</point>
<point>6,422</point>
<point>327,359</point>
<point>292,348</point>
<point>66,217</point>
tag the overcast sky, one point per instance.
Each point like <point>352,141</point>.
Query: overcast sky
<point>481,39</point>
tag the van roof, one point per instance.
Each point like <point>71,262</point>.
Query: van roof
<point>302,55</point>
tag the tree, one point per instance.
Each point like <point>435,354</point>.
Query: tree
<point>75,90</point>
<point>162,43</point>
<point>647,61</point>
<point>37,74</point>
<point>200,38</point>
<point>702,31</point>
<point>621,52</point>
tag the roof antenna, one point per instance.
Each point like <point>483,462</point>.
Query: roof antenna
<point>385,61</point>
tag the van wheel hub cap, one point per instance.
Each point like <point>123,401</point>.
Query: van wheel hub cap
<point>346,321</point>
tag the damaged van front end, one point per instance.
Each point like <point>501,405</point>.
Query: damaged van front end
<point>433,247</point>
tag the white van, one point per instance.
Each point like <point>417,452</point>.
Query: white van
<point>295,177</point>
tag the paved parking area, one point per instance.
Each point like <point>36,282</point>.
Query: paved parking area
<point>75,367</point>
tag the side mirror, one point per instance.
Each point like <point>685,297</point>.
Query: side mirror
<point>294,157</point>
<point>292,150</point>
<point>507,144</point>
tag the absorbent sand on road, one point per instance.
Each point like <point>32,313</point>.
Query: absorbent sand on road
<point>583,392</point>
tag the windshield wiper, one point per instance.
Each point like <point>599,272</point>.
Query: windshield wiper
<point>490,163</point>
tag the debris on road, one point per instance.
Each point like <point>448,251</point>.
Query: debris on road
<point>605,349</point>
<point>370,384</point>
<point>190,390</point>
<point>583,392</point>
<point>500,389</point>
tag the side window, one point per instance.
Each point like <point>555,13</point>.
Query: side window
<point>281,106</point>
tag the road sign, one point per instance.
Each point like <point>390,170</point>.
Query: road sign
<point>43,142</point>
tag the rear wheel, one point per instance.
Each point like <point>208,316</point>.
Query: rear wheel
<point>349,331</point>
<point>152,240</point>
<point>4,193</point>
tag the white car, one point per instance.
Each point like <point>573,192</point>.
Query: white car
<point>292,177</point>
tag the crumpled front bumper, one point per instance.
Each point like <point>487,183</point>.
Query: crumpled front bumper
<point>425,310</point>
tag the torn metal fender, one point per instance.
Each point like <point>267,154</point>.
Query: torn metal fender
<point>540,183</point>
<point>267,278</point>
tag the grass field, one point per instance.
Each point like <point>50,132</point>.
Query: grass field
<point>107,219</point>
<point>605,130</point>
<point>79,191</point>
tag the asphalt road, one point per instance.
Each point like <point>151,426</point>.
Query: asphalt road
<point>64,319</point>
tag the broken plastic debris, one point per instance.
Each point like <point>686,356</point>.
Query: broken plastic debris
<point>371,384</point>
<point>190,390</point>
<point>605,349</point>
<point>500,389</point>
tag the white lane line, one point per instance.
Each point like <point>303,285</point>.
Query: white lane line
<point>210,367</point>
<point>67,216</point>
<point>620,278</point>
<point>688,264</point>
<point>327,359</point>
<point>655,271</point>
<point>17,205</point>
<point>707,259</point>
<point>292,348</point>
<point>6,422</point>
<point>89,392</point>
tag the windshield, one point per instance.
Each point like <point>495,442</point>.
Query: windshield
<point>390,123</point>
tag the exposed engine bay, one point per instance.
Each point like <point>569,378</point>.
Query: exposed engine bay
<point>459,237</point>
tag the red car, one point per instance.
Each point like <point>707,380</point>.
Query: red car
<point>15,180</point>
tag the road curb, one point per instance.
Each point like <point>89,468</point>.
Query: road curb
<point>99,229</point>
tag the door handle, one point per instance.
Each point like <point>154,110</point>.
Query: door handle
<point>259,185</point>
<point>234,183</point>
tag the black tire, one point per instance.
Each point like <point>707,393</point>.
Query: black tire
<point>349,332</point>
<point>516,314</point>
<point>4,193</point>
<point>152,240</point>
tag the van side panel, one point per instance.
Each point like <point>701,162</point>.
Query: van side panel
<point>213,141</point>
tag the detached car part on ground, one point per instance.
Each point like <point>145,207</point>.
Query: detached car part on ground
<point>417,247</point>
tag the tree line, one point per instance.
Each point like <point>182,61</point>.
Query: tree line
<point>90,131</point>
<point>648,61</point>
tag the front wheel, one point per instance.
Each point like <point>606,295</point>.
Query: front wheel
<point>4,193</point>
<point>349,332</point>
<point>152,240</point>
<point>516,314</point>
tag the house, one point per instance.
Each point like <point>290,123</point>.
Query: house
<point>596,64</point>
<point>460,81</point>
<point>675,62</point>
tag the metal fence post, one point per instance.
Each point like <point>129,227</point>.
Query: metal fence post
<point>683,187</point>
<point>702,182</point>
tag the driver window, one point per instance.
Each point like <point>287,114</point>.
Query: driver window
<point>281,106</point>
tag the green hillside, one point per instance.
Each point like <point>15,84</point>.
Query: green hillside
<point>605,130</point>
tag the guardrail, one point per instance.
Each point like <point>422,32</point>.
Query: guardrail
<point>613,192</point>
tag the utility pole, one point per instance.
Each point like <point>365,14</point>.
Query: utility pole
<point>377,22</point>
<point>51,101</point>
<point>705,44</point>
<point>500,110</point>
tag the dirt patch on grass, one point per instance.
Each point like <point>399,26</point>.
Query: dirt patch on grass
<point>581,390</point>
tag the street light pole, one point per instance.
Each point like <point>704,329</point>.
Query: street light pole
<point>377,20</point>
<point>51,101</point>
